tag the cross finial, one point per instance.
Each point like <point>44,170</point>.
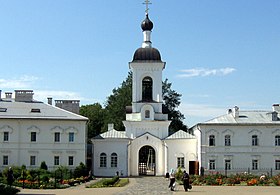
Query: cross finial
<point>147,2</point>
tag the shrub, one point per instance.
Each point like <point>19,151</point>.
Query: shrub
<point>8,190</point>
<point>43,165</point>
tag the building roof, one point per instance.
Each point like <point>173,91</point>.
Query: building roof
<point>146,54</point>
<point>35,110</point>
<point>244,118</point>
<point>112,134</point>
<point>180,135</point>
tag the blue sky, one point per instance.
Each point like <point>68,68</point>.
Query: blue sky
<point>218,53</point>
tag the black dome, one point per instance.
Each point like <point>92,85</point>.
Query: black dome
<point>146,54</point>
<point>147,24</point>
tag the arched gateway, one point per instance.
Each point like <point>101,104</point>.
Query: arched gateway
<point>147,161</point>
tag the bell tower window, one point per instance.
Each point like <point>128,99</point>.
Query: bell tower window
<point>147,89</point>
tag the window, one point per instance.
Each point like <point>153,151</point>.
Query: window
<point>35,110</point>
<point>56,137</point>
<point>277,140</point>
<point>147,89</point>
<point>56,160</point>
<point>70,160</point>
<point>147,113</point>
<point>212,164</point>
<point>5,160</point>
<point>227,140</point>
<point>6,136</point>
<point>181,162</point>
<point>212,140</point>
<point>255,140</point>
<point>254,164</point>
<point>32,160</point>
<point>228,164</point>
<point>103,160</point>
<point>71,137</point>
<point>33,136</point>
<point>114,160</point>
<point>277,164</point>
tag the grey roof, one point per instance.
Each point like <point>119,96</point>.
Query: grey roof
<point>112,134</point>
<point>245,117</point>
<point>180,135</point>
<point>35,110</point>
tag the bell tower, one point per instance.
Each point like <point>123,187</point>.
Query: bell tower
<point>147,101</point>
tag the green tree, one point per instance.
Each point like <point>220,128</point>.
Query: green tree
<point>115,106</point>
<point>95,114</point>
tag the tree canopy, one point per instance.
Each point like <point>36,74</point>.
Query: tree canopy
<point>114,110</point>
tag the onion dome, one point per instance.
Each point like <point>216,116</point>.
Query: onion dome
<point>147,24</point>
<point>146,54</point>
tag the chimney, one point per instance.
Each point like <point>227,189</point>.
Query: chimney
<point>69,105</point>
<point>24,95</point>
<point>49,100</point>
<point>276,108</point>
<point>8,95</point>
<point>236,112</point>
<point>110,126</point>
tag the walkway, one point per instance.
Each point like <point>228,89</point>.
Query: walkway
<point>157,186</point>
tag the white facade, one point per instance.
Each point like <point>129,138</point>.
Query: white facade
<point>241,141</point>
<point>32,132</point>
<point>145,148</point>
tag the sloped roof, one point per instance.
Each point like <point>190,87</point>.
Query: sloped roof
<point>180,135</point>
<point>245,117</point>
<point>112,134</point>
<point>35,110</point>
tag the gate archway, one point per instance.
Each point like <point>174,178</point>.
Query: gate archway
<point>147,161</point>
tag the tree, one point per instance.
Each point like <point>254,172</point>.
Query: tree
<point>95,114</point>
<point>116,104</point>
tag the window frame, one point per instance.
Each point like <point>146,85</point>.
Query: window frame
<point>227,140</point>
<point>32,160</point>
<point>212,140</point>
<point>5,160</point>
<point>56,137</point>
<point>255,140</point>
<point>70,160</point>
<point>56,161</point>
<point>277,164</point>
<point>33,136</point>
<point>6,136</point>
<point>227,164</point>
<point>255,164</point>
<point>71,137</point>
<point>181,162</point>
<point>277,140</point>
<point>103,160</point>
<point>114,160</point>
<point>212,164</point>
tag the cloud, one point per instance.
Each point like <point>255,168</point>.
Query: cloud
<point>203,72</point>
<point>24,81</point>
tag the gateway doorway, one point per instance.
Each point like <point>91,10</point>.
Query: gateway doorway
<point>147,161</point>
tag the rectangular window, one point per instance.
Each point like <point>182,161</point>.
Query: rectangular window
<point>212,140</point>
<point>255,164</point>
<point>5,160</point>
<point>255,140</point>
<point>277,164</point>
<point>277,140</point>
<point>228,164</point>
<point>6,136</point>
<point>32,160</point>
<point>227,140</point>
<point>70,160</point>
<point>181,162</point>
<point>56,137</point>
<point>71,137</point>
<point>33,136</point>
<point>212,164</point>
<point>103,160</point>
<point>56,160</point>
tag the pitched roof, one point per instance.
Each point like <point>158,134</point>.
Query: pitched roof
<point>245,117</point>
<point>180,135</point>
<point>35,110</point>
<point>112,134</point>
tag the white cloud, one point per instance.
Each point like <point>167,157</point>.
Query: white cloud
<point>196,72</point>
<point>24,81</point>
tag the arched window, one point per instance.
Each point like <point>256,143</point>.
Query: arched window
<point>103,160</point>
<point>277,140</point>
<point>227,140</point>
<point>114,160</point>
<point>212,140</point>
<point>255,140</point>
<point>147,89</point>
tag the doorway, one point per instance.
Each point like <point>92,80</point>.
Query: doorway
<point>147,161</point>
<point>193,167</point>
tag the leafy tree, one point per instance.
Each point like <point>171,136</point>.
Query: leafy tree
<point>116,103</point>
<point>95,113</point>
<point>43,165</point>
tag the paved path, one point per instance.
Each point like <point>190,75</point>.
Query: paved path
<point>157,186</point>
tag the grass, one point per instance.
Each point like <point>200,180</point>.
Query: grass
<point>103,183</point>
